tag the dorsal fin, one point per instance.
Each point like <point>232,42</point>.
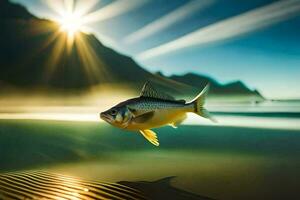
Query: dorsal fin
<point>149,91</point>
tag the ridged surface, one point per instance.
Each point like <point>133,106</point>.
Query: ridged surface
<point>45,185</point>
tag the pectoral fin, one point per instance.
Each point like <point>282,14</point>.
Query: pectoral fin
<point>150,136</point>
<point>144,117</point>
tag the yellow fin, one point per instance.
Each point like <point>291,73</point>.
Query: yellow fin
<point>150,136</point>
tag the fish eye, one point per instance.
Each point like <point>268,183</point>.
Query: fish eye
<point>113,112</point>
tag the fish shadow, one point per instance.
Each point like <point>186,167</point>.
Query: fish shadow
<point>162,189</point>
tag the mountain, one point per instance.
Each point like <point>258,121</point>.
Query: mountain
<point>13,11</point>
<point>200,81</point>
<point>35,53</point>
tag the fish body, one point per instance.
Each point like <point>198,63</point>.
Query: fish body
<point>156,112</point>
<point>152,110</point>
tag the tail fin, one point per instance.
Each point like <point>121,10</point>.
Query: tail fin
<point>199,101</point>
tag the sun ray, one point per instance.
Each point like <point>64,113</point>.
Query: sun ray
<point>68,39</point>
<point>83,7</point>
<point>113,9</point>
<point>69,6</point>
<point>71,23</point>
<point>94,67</point>
<point>69,15</point>
<point>48,30</point>
<point>58,6</point>
<point>167,20</point>
<point>57,51</point>
<point>235,26</point>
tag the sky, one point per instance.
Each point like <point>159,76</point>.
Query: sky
<point>256,41</point>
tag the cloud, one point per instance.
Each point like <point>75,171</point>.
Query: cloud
<point>113,9</point>
<point>167,20</point>
<point>229,28</point>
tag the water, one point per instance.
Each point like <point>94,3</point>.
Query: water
<point>251,153</point>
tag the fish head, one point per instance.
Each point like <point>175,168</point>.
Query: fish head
<point>118,116</point>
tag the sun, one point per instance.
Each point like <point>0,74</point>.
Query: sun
<point>71,23</point>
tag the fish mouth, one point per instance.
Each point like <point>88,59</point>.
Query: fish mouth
<point>105,117</point>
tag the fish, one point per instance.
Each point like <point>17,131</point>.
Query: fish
<point>154,109</point>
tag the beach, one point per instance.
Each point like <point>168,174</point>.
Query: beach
<point>220,162</point>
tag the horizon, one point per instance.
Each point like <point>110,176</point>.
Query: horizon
<point>264,44</point>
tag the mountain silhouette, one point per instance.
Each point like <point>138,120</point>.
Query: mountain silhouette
<point>33,53</point>
<point>13,11</point>
<point>200,81</point>
<point>36,53</point>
